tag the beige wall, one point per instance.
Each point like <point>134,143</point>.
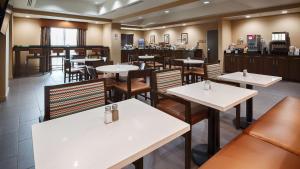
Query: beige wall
<point>27,31</point>
<point>195,34</point>
<point>4,61</point>
<point>266,25</point>
<point>224,38</point>
<point>94,34</point>
<point>136,35</point>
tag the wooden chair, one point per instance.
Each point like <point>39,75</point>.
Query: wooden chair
<point>58,53</point>
<point>36,54</point>
<point>134,86</point>
<point>80,53</point>
<point>175,106</point>
<point>156,63</point>
<point>176,64</point>
<point>95,64</point>
<point>109,82</point>
<point>70,72</point>
<point>67,99</point>
<point>96,53</point>
<point>211,72</point>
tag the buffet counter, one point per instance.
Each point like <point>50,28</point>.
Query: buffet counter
<point>163,52</point>
<point>287,67</point>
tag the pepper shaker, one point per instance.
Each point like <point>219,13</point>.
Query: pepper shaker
<point>115,112</point>
<point>245,72</point>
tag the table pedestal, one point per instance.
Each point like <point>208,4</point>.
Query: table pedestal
<point>201,153</point>
<point>246,121</point>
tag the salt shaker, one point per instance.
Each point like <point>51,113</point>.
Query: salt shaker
<point>245,72</point>
<point>207,85</point>
<point>107,115</point>
<point>115,112</point>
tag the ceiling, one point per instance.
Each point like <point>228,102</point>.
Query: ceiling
<point>149,13</point>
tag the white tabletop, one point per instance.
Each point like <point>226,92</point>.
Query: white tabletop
<point>83,141</point>
<point>83,60</point>
<point>146,57</point>
<point>116,68</point>
<point>221,97</point>
<point>251,79</point>
<point>191,61</point>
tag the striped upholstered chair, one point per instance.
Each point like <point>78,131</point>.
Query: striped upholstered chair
<point>67,99</point>
<point>212,71</point>
<point>175,106</point>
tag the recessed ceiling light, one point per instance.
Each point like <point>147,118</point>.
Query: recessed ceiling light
<point>167,11</point>
<point>96,22</point>
<point>140,17</point>
<point>184,24</point>
<point>284,12</point>
<point>248,16</point>
<point>164,27</point>
<point>27,16</point>
<point>206,2</point>
<point>96,3</point>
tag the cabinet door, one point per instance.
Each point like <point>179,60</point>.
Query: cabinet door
<point>257,64</point>
<point>234,64</point>
<point>227,63</point>
<point>241,63</point>
<point>268,65</point>
<point>294,69</point>
<point>282,66</point>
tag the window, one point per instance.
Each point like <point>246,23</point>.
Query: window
<point>63,37</point>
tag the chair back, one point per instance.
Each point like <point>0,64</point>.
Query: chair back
<point>137,74</point>
<point>67,65</point>
<point>166,79</point>
<point>95,63</point>
<point>36,51</point>
<point>92,72</point>
<point>66,99</point>
<point>212,71</point>
<point>58,51</point>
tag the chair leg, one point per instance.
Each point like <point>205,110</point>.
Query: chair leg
<point>188,149</point>
<point>238,116</point>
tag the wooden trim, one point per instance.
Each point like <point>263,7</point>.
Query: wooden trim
<point>63,24</point>
<point>62,15</point>
<point>158,8</point>
<point>224,15</point>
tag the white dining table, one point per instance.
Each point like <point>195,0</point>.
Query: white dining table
<point>83,60</point>
<point>250,80</point>
<point>118,68</point>
<point>219,98</point>
<point>191,61</point>
<point>84,141</point>
<point>145,57</point>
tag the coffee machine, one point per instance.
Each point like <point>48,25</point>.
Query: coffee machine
<point>254,43</point>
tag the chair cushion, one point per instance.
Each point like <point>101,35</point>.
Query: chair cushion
<point>280,126</point>
<point>157,64</point>
<point>247,152</point>
<point>177,110</point>
<point>198,71</point>
<point>136,86</point>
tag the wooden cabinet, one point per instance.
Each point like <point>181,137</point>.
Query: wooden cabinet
<point>268,65</point>
<point>294,69</point>
<point>231,63</point>
<point>253,64</point>
<point>287,67</point>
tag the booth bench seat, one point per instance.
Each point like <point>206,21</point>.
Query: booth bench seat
<point>272,142</point>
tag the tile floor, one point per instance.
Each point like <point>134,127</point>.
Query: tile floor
<point>25,104</point>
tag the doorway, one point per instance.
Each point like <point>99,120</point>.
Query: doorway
<point>212,46</point>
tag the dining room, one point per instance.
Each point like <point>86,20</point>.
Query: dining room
<point>114,84</point>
